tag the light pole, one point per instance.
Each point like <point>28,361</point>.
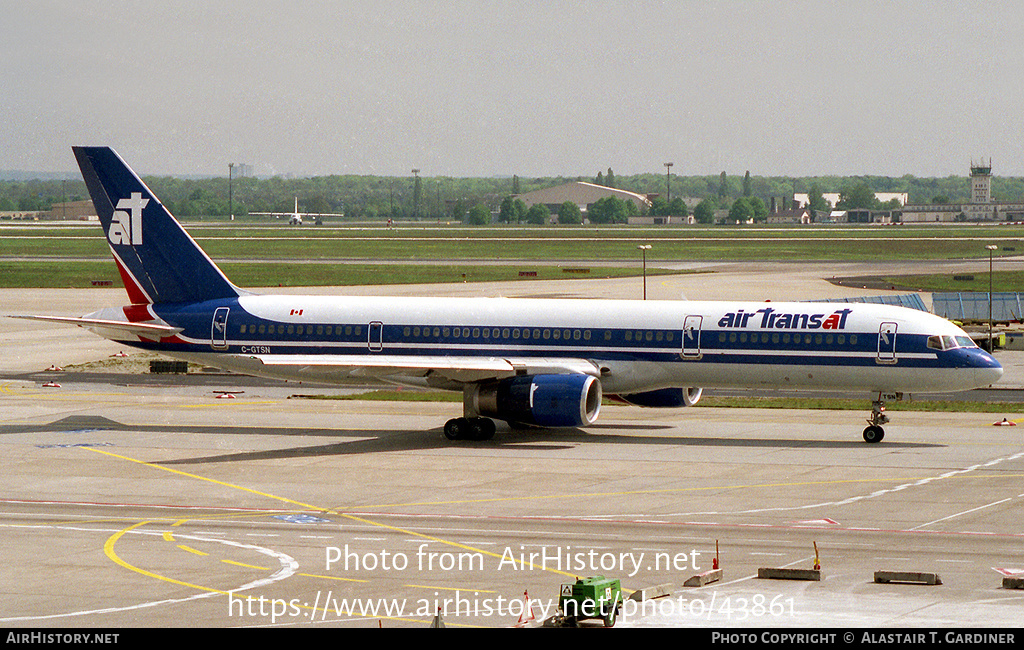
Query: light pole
<point>231,205</point>
<point>643,251</point>
<point>668,186</point>
<point>416,194</point>
<point>991,347</point>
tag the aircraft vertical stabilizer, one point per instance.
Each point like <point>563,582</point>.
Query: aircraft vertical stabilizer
<point>158,261</point>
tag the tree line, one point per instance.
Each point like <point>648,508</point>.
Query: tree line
<point>454,199</point>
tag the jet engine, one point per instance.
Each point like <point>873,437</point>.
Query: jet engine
<point>664,398</point>
<point>541,400</point>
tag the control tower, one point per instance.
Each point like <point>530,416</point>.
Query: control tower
<point>981,181</point>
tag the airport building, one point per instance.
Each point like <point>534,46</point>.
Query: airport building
<point>981,207</point>
<point>582,194</point>
<point>802,199</point>
<point>76,210</point>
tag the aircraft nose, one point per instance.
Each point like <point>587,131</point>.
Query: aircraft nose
<point>986,369</point>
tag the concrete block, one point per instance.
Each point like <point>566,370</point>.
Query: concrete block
<point>647,593</point>
<point>907,576</point>
<point>789,574</point>
<point>702,579</point>
<point>1013,582</point>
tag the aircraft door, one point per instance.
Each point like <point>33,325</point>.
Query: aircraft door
<point>887,343</point>
<point>219,329</point>
<point>376,337</point>
<point>691,337</point>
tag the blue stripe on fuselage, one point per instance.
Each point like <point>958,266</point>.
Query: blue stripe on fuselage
<point>717,346</point>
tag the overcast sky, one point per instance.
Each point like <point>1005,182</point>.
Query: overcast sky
<point>534,88</point>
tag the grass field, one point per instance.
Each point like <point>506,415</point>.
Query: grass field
<point>1001,281</point>
<point>83,274</point>
<point>266,254</point>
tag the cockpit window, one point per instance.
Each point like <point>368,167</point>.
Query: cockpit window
<point>950,342</point>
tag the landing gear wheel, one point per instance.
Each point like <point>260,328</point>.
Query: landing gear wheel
<point>482,429</point>
<point>874,433</point>
<point>456,429</point>
<point>469,429</point>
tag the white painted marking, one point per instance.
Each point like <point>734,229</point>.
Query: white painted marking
<point>288,568</point>
<point>958,514</point>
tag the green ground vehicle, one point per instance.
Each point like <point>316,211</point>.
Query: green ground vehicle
<point>593,597</point>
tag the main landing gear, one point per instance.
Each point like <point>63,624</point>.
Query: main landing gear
<point>874,432</point>
<point>469,429</point>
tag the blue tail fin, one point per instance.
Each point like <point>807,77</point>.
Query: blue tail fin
<point>158,261</point>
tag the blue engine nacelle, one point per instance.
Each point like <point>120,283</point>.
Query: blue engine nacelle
<point>540,400</point>
<point>664,398</point>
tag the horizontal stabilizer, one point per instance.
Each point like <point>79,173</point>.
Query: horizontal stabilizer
<point>147,330</point>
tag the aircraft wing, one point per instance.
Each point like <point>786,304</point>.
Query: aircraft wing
<point>151,331</point>
<point>460,369</point>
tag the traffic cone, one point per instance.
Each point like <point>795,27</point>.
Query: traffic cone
<point>527,614</point>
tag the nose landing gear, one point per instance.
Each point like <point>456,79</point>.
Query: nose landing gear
<point>874,432</point>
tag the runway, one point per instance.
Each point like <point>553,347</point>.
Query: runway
<point>147,506</point>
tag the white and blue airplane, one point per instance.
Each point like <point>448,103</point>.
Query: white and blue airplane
<point>528,362</point>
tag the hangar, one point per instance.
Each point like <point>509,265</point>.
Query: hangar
<point>582,194</point>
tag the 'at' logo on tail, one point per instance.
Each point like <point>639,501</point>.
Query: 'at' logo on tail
<point>126,227</point>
